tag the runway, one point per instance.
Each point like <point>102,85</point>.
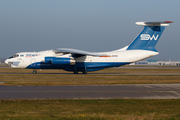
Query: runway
<point>126,91</point>
<point>97,73</point>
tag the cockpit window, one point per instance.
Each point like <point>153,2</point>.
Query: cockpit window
<point>21,55</point>
<point>16,55</point>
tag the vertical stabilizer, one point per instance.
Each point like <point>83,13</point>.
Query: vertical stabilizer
<point>149,36</point>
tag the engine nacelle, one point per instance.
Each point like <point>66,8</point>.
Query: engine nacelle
<point>59,61</point>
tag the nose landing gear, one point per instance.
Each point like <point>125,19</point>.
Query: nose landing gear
<point>34,72</point>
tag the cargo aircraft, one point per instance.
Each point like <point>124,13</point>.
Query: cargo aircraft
<point>142,47</point>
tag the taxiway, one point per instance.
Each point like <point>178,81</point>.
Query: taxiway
<point>126,91</point>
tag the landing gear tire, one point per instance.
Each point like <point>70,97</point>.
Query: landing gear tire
<point>34,72</point>
<point>75,72</point>
<point>84,72</point>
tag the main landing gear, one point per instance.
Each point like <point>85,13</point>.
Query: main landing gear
<point>84,72</point>
<point>76,72</point>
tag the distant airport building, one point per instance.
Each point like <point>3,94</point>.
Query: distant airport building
<point>156,62</point>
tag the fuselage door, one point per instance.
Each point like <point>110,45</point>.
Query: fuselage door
<point>32,61</point>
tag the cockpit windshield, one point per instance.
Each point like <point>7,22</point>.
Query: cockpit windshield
<point>14,56</point>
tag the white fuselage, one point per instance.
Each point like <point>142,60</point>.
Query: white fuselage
<point>25,59</point>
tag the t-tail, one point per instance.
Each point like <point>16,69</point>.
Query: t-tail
<point>149,36</point>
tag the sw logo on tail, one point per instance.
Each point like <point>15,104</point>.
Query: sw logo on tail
<point>148,37</point>
<point>76,61</point>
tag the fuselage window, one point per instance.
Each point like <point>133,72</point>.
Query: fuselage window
<point>21,55</point>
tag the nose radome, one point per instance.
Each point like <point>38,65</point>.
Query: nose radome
<point>6,61</point>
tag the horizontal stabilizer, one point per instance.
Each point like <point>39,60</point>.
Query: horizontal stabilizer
<point>162,23</point>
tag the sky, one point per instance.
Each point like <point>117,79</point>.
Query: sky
<point>90,25</point>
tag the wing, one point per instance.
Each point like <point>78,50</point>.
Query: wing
<point>77,53</point>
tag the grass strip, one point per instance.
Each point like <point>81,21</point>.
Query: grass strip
<point>60,77</point>
<point>64,79</point>
<point>110,70</point>
<point>90,109</point>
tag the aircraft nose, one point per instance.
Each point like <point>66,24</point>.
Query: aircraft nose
<point>6,61</point>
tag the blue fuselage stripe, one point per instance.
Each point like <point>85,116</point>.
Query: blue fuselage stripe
<point>79,66</point>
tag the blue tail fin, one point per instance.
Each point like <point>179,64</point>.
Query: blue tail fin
<point>149,36</point>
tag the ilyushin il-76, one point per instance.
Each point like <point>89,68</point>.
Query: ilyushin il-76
<point>142,47</point>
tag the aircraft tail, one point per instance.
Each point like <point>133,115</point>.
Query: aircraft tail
<point>149,36</point>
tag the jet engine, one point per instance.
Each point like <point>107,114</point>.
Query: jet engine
<point>59,60</point>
